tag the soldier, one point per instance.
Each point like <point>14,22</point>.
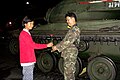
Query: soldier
<point>68,48</point>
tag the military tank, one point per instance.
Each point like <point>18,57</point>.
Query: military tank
<point>99,48</point>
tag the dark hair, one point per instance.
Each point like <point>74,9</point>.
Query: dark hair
<point>26,19</point>
<point>71,14</point>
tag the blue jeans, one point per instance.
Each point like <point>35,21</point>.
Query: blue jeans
<point>28,72</point>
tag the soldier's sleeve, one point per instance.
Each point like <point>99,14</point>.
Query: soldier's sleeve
<point>68,40</point>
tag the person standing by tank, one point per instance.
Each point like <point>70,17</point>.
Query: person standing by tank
<point>27,46</point>
<point>68,48</point>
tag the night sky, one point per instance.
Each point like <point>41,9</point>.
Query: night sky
<point>17,9</point>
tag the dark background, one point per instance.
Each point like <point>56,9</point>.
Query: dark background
<point>19,7</point>
<point>14,11</point>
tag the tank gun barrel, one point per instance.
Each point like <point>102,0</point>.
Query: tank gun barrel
<point>90,2</point>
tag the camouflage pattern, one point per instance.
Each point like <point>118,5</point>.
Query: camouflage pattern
<point>69,52</point>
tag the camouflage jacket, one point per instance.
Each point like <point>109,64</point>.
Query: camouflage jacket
<point>72,35</point>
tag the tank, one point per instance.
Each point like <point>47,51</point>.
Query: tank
<point>99,48</point>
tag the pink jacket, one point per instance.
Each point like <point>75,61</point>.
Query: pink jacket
<point>27,46</point>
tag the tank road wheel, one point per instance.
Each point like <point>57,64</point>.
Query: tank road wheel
<point>101,68</point>
<point>83,46</point>
<point>46,62</point>
<point>78,66</point>
<point>14,46</point>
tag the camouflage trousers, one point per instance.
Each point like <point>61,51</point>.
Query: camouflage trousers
<point>69,65</point>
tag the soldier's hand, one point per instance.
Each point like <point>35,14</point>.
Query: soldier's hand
<point>54,48</point>
<point>50,44</point>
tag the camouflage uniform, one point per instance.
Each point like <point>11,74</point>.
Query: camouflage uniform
<point>69,52</point>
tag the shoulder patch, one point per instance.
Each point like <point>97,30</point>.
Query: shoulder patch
<point>73,30</point>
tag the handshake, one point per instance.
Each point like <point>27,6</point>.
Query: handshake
<point>54,48</point>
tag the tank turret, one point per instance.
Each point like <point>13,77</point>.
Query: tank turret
<point>99,47</point>
<point>92,11</point>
